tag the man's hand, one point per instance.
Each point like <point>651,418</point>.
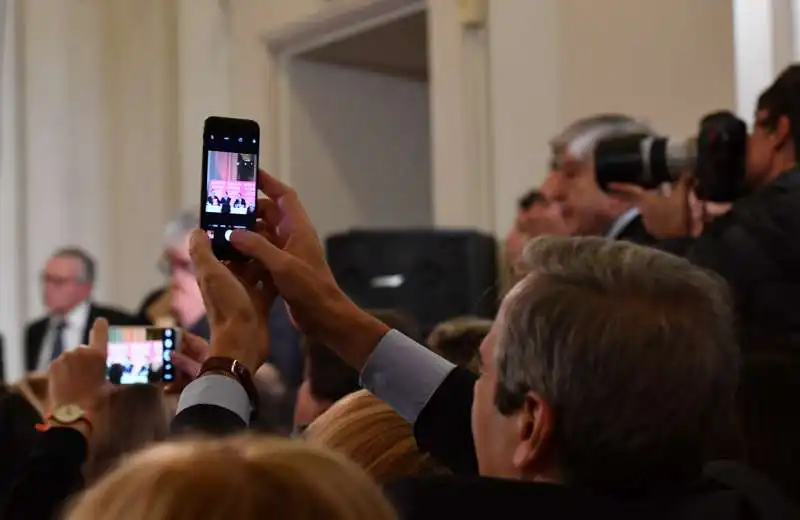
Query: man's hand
<point>664,216</point>
<point>237,298</point>
<point>191,355</point>
<point>78,376</point>
<point>296,259</point>
<point>188,359</point>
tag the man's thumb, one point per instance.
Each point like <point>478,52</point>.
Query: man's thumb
<point>259,248</point>
<point>200,250</point>
<point>98,335</point>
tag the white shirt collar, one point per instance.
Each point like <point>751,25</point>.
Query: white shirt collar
<point>621,223</point>
<point>77,317</point>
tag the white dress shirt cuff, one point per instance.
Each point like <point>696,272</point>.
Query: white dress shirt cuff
<point>404,374</point>
<point>217,390</point>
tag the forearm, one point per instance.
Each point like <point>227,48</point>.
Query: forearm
<point>352,333</point>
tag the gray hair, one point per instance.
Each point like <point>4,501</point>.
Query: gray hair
<point>180,226</point>
<point>633,348</point>
<point>88,269</point>
<point>580,138</point>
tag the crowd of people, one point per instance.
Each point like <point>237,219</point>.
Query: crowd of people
<point>643,364</point>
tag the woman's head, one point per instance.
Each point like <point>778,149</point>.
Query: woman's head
<point>459,340</point>
<point>247,478</point>
<point>126,419</point>
<point>372,434</point>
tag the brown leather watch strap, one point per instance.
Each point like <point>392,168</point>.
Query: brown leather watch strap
<point>237,370</point>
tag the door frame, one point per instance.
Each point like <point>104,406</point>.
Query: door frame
<point>287,43</point>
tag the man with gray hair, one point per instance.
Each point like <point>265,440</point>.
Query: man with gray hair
<point>608,375</point>
<point>571,182</point>
<point>67,284</point>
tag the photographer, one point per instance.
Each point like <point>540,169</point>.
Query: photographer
<point>755,245</point>
<point>572,186</point>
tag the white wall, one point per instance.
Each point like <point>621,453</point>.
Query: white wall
<point>91,153</point>
<point>361,147</point>
<point>111,95</point>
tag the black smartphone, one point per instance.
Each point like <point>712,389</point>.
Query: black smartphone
<point>140,355</point>
<point>230,169</point>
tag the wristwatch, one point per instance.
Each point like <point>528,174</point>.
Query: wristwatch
<point>238,371</point>
<point>67,414</point>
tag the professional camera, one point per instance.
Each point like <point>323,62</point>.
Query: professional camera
<point>716,158</point>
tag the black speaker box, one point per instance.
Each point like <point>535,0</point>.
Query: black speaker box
<point>433,275</point>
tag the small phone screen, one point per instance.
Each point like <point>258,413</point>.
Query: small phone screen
<point>230,168</point>
<point>140,355</point>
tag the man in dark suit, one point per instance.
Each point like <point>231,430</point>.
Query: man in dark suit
<point>67,284</point>
<point>571,182</point>
<point>599,396</point>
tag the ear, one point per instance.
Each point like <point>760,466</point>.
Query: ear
<point>783,132</point>
<point>535,424</point>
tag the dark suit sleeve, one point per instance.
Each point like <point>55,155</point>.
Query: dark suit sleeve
<point>34,335</point>
<point>444,427</point>
<point>206,419</point>
<point>48,478</point>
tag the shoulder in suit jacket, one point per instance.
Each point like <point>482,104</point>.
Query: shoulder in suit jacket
<point>36,331</point>
<point>466,498</point>
<point>635,232</point>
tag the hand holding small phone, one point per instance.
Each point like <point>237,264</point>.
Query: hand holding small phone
<point>141,355</point>
<point>229,192</point>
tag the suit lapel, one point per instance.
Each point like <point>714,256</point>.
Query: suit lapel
<point>37,334</point>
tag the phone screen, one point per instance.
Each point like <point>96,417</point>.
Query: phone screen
<point>138,355</point>
<point>230,167</point>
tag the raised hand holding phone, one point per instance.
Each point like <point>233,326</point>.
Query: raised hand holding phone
<point>228,194</point>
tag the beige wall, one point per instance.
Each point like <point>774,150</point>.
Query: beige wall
<point>667,62</point>
<point>557,60</point>
<point>361,152</point>
<point>108,119</point>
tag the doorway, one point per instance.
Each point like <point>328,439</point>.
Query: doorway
<point>353,130</point>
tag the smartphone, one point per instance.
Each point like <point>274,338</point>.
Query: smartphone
<point>140,355</point>
<point>230,168</point>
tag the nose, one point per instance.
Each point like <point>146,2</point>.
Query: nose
<point>552,189</point>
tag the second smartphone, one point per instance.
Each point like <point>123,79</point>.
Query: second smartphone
<point>230,170</point>
<point>140,355</point>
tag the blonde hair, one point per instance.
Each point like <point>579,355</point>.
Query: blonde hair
<point>246,478</point>
<point>459,340</point>
<point>372,434</point>
<point>128,418</point>
<point>34,388</point>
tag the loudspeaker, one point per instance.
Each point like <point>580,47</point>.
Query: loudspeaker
<point>433,275</point>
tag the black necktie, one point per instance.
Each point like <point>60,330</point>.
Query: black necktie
<point>58,340</point>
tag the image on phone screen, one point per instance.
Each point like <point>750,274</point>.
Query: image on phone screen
<point>230,166</point>
<point>140,355</point>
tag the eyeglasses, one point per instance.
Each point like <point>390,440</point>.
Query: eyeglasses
<point>58,281</point>
<point>169,266</point>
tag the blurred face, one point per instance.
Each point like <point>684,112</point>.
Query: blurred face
<point>585,208</point>
<point>492,431</point>
<point>62,286</point>
<point>513,446</point>
<point>187,301</point>
<point>515,240</point>
<point>766,150</point>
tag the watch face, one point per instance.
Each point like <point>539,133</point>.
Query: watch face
<point>68,413</point>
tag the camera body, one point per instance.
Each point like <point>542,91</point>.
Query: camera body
<point>716,158</point>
